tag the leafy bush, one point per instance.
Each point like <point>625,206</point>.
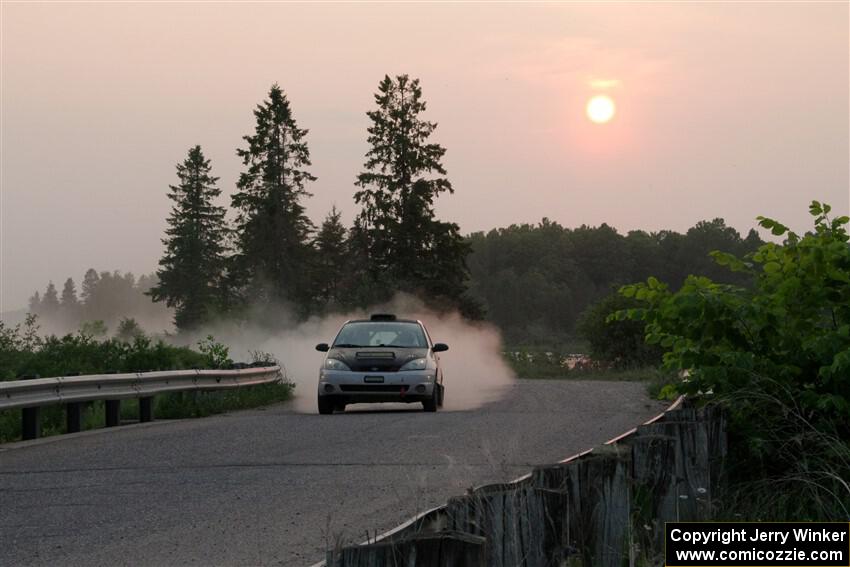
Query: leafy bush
<point>24,353</point>
<point>777,355</point>
<point>81,354</point>
<point>128,329</point>
<point>616,342</point>
<point>216,355</point>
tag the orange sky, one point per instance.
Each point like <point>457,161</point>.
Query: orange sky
<point>731,109</point>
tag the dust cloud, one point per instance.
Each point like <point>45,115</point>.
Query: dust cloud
<point>474,370</point>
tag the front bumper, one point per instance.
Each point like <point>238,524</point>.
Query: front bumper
<point>368,387</point>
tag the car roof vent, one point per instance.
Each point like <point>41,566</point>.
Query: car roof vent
<point>382,317</point>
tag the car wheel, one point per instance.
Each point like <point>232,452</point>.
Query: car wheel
<point>442,396</point>
<point>326,406</point>
<point>431,405</point>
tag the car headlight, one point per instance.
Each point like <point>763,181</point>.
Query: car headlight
<point>334,364</point>
<point>415,364</point>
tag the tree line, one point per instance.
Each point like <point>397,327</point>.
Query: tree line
<point>273,253</point>
<point>536,281</point>
<point>106,302</point>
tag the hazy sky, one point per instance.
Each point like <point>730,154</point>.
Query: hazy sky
<point>730,109</point>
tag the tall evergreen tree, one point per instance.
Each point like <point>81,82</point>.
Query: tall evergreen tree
<point>403,175</point>
<point>50,301</point>
<point>35,304</point>
<point>90,281</point>
<point>69,295</point>
<point>69,305</point>
<point>332,260</point>
<point>191,270</point>
<point>272,230</point>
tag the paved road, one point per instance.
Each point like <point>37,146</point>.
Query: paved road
<point>275,487</point>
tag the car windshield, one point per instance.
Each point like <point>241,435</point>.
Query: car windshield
<point>387,334</point>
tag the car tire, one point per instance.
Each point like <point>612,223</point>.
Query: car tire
<point>326,406</point>
<point>431,405</point>
<point>442,396</point>
<point>340,407</point>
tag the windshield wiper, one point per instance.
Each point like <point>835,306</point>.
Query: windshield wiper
<point>346,345</point>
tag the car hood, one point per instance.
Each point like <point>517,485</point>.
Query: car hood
<point>376,359</point>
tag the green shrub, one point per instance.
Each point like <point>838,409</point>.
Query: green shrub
<point>616,342</point>
<point>777,356</point>
<point>24,353</point>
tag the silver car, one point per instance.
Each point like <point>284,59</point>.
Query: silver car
<point>382,359</point>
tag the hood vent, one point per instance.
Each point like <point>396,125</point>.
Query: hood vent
<point>371,355</point>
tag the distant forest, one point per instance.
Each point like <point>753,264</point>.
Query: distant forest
<point>102,302</point>
<point>533,281</point>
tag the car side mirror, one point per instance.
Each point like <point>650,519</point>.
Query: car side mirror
<point>323,347</point>
<point>440,347</point>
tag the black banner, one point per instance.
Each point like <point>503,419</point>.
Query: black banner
<point>757,544</point>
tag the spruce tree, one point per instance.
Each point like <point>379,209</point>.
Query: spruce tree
<point>408,249</point>
<point>69,305</point>
<point>191,268</point>
<point>272,230</point>
<point>69,295</point>
<point>331,267</point>
<point>35,304</point>
<point>50,301</point>
<point>89,288</point>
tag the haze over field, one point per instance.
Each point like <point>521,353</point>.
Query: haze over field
<point>727,110</point>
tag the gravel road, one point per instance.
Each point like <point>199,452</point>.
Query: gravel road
<point>275,487</point>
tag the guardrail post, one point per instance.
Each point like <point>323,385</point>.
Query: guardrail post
<point>113,412</point>
<point>74,417</point>
<point>146,409</point>
<point>30,423</point>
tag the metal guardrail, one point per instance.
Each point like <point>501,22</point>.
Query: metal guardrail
<point>30,395</point>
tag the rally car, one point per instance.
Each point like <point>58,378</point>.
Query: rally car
<point>381,359</point>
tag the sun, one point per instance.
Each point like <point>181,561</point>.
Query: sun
<point>600,109</point>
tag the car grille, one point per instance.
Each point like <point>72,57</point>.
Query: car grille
<point>373,387</point>
<point>379,368</point>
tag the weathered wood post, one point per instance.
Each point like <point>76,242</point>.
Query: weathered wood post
<point>443,549</point>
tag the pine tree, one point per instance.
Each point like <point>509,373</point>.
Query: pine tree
<point>272,230</point>
<point>332,263</point>
<point>35,304</point>
<point>69,305</point>
<point>69,295</point>
<point>191,268</point>
<point>89,289</point>
<point>407,248</point>
<point>50,302</point>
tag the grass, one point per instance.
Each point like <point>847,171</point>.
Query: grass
<point>539,363</point>
<point>176,405</point>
